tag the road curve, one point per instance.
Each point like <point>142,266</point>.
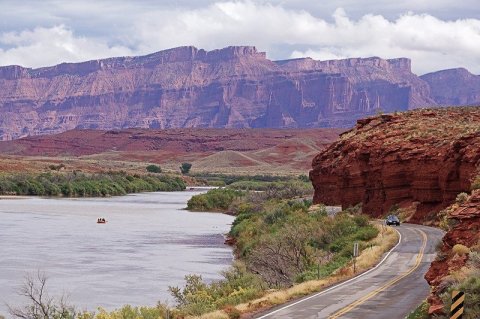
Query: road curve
<point>391,290</point>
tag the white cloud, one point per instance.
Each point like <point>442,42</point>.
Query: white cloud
<point>50,46</point>
<point>432,43</point>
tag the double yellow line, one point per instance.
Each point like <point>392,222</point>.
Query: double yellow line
<point>392,282</point>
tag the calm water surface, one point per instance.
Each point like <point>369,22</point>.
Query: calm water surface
<point>148,244</point>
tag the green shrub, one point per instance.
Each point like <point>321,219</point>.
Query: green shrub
<point>153,169</point>
<point>198,297</point>
<point>421,312</point>
<point>185,168</point>
<point>214,200</point>
<point>366,233</point>
<point>471,287</point>
<point>86,185</point>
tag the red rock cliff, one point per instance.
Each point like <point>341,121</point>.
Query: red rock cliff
<point>234,87</point>
<point>425,157</point>
<point>464,220</point>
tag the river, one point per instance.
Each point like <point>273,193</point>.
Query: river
<point>148,243</point>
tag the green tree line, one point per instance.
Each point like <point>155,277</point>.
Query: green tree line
<point>86,185</point>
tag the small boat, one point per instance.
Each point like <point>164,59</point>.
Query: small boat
<point>101,221</point>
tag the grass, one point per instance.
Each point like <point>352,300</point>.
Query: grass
<point>385,240</point>
<point>421,312</point>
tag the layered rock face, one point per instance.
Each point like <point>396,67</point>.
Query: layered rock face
<point>421,157</point>
<point>235,87</point>
<point>465,225</point>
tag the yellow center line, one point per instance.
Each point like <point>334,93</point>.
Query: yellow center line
<point>387,285</point>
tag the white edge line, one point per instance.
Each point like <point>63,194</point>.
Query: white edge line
<point>339,285</point>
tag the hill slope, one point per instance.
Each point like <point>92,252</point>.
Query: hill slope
<point>253,151</point>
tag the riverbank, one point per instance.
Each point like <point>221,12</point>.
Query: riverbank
<point>78,184</point>
<point>386,239</point>
<point>288,247</point>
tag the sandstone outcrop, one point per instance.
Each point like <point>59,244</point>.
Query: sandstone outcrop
<point>464,221</point>
<point>422,157</point>
<point>234,87</point>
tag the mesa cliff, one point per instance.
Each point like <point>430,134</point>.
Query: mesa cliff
<point>420,159</point>
<point>234,87</point>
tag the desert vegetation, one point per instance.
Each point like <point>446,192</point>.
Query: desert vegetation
<point>152,168</point>
<point>281,240</point>
<point>285,248</point>
<point>185,168</point>
<point>78,184</point>
<point>243,189</point>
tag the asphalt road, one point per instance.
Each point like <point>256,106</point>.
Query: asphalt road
<point>391,290</point>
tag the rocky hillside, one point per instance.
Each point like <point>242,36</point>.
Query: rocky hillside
<point>458,258</point>
<point>235,87</point>
<point>420,159</point>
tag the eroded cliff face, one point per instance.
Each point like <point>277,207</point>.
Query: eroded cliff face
<point>235,87</point>
<point>421,159</point>
<point>464,222</point>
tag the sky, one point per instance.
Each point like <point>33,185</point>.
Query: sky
<point>435,34</point>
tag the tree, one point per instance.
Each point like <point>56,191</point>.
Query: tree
<point>185,168</point>
<point>154,168</point>
<point>279,258</point>
<point>41,306</point>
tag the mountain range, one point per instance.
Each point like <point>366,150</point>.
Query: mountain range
<point>233,87</point>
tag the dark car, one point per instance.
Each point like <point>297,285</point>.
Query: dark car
<point>392,220</point>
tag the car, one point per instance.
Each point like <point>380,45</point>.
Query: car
<point>392,220</point>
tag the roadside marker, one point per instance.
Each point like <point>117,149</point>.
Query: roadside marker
<point>456,310</point>
<point>355,255</point>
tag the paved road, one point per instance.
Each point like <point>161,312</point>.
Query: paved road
<point>391,290</point>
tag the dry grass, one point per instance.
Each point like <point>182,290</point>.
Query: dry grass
<point>219,314</point>
<point>460,249</point>
<point>386,239</point>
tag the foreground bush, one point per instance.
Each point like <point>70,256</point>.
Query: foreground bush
<point>198,297</point>
<point>213,200</point>
<point>86,185</point>
<point>283,243</point>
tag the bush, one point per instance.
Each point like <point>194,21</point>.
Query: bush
<point>86,185</point>
<point>367,233</point>
<point>232,312</point>
<point>185,168</point>
<point>461,198</point>
<point>153,168</point>
<point>421,312</point>
<point>198,297</point>
<point>471,287</point>
<point>460,249</point>
<point>129,312</point>
<point>214,200</point>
